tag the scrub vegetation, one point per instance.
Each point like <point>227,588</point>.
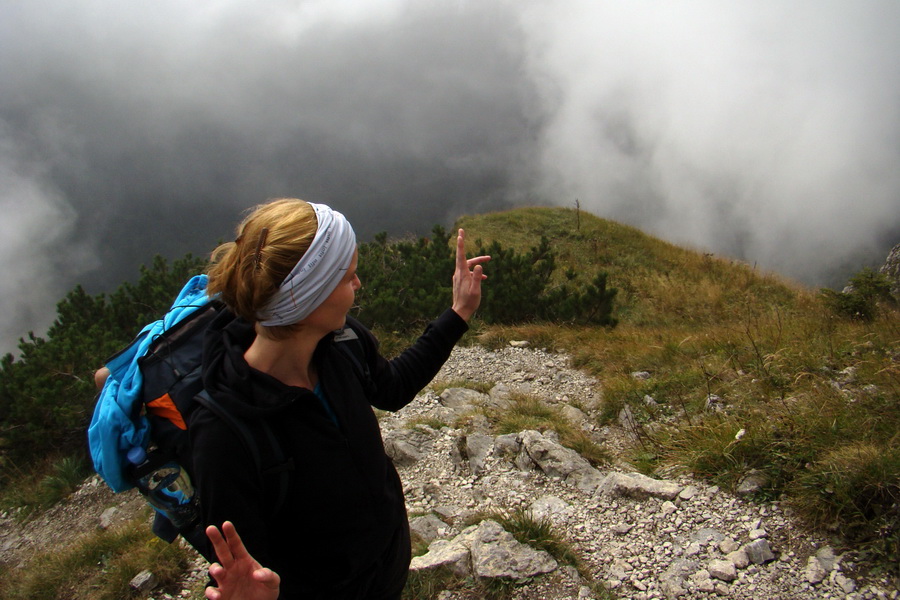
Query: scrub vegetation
<point>743,372</point>
<point>46,483</point>
<point>99,566</point>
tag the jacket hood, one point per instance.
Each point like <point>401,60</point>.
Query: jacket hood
<point>228,378</point>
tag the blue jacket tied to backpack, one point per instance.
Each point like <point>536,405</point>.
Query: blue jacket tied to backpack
<point>116,426</point>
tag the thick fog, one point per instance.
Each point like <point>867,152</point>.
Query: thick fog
<point>765,131</point>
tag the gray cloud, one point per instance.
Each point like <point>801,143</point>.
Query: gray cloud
<point>769,131</point>
<point>766,131</point>
<point>36,244</point>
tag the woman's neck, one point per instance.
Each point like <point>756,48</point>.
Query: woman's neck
<point>288,360</point>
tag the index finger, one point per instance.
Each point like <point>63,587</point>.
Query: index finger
<point>461,250</point>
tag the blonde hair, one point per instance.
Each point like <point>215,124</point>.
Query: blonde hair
<point>270,240</point>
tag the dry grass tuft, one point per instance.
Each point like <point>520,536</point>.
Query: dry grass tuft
<point>73,573</point>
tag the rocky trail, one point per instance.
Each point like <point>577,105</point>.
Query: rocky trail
<point>641,538</point>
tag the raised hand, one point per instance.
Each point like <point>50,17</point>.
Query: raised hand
<point>238,575</point>
<point>466,282</point>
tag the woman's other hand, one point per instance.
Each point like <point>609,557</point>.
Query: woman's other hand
<point>467,280</point>
<point>238,575</point>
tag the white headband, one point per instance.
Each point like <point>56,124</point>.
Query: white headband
<point>317,273</point>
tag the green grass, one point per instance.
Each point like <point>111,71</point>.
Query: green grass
<point>98,566</point>
<point>427,585</point>
<point>67,475</point>
<point>539,533</point>
<point>45,484</point>
<point>523,412</point>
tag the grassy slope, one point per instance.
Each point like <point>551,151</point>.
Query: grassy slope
<point>809,399</point>
<point>659,283</point>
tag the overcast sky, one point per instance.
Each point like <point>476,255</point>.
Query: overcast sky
<point>765,131</point>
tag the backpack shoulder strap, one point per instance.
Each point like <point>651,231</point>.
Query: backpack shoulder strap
<point>279,467</point>
<point>350,346</point>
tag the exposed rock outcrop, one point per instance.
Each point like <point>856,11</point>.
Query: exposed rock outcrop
<point>486,551</point>
<point>891,268</point>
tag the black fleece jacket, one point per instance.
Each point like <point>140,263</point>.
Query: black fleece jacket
<point>345,500</point>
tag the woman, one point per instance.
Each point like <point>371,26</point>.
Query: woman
<point>289,281</point>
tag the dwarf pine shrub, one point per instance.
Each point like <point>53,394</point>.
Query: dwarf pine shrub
<point>406,283</point>
<point>861,298</point>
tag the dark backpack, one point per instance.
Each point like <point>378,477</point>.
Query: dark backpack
<point>159,412</point>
